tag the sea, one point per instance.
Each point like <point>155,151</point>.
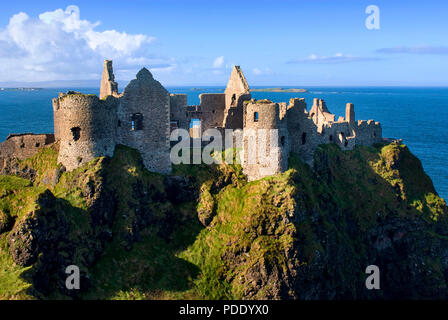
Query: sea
<point>419,116</point>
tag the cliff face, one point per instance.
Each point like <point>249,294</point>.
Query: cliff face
<point>205,232</point>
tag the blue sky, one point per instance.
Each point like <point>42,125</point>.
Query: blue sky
<point>289,43</point>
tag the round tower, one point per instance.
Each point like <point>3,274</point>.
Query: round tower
<point>265,140</point>
<point>85,126</point>
<point>262,114</point>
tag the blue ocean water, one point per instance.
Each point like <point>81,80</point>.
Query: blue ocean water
<point>417,115</point>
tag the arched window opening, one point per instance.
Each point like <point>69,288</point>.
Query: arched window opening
<point>76,133</point>
<point>195,128</point>
<point>174,124</point>
<point>136,122</point>
<point>303,137</point>
<point>255,116</point>
<point>233,99</point>
<point>282,140</point>
<point>341,137</point>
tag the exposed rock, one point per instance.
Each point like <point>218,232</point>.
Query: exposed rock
<point>302,234</point>
<point>6,222</point>
<point>180,189</point>
<point>52,177</point>
<point>36,230</point>
<point>11,166</point>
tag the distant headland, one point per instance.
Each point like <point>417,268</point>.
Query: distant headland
<point>20,89</point>
<point>279,90</point>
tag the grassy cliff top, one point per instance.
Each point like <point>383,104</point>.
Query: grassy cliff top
<point>205,232</point>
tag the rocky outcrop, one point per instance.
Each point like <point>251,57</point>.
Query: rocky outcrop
<point>37,231</point>
<point>6,222</point>
<point>308,233</point>
<point>56,234</point>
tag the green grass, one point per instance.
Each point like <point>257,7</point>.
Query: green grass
<point>17,197</point>
<point>12,284</point>
<point>149,269</point>
<point>44,163</point>
<point>160,250</point>
<point>249,220</point>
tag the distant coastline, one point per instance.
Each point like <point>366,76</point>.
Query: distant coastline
<point>21,89</point>
<point>279,90</point>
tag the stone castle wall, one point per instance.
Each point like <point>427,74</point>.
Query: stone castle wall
<point>108,85</point>
<point>368,132</point>
<point>296,112</point>
<point>85,127</point>
<point>318,126</point>
<point>212,107</point>
<point>258,162</point>
<point>237,91</point>
<point>89,127</point>
<point>25,145</point>
<point>143,116</point>
<point>144,121</point>
<point>178,111</point>
<point>20,147</point>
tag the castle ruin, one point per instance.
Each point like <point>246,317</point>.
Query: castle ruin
<point>144,115</point>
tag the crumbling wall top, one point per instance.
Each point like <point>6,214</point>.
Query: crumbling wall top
<point>237,82</point>
<point>108,85</point>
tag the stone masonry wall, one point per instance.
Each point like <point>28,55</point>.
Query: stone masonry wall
<point>309,130</point>
<point>25,145</point>
<point>143,116</point>
<point>108,85</point>
<point>21,147</point>
<point>212,110</point>
<point>85,128</point>
<point>368,132</point>
<point>178,109</point>
<point>260,118</point>
<point>237,91</point>
<point>146,102</point>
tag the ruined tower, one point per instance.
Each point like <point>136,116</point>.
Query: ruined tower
<point>350,113</point>
<point>144,121</point>
<point>237,91</point>
<point>108,85</point>
<point>84,127</point>
<point>87,126</point>
<point>143,116</point>
<point>265,146</point>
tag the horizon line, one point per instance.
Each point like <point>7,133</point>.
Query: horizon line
<point>223,86</point>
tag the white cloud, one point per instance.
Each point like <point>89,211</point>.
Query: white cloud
<point>218,62</point>
<point>259,72</point>
<point>416,50</point>
<point>59,45</point>
<point>336,58</point>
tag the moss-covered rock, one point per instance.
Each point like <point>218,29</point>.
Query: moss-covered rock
<point>308,233</point>
<point>6,222</point>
